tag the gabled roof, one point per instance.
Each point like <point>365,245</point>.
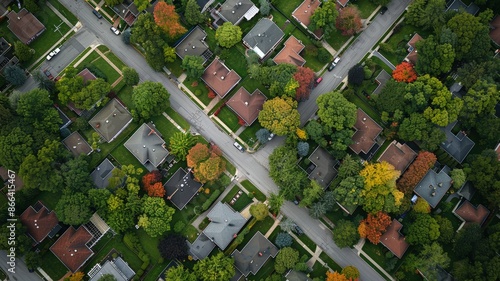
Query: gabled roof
<point>254,255</point>
<point>87,75</point>
<point>263,37</point>
<point>71,248</point>
<point>117,267</point>
<point>467,190</point>
<point>201,247</point>
<point>470,214</point>
<point>111,120</point>
<point>457,146</point>
<point>147,146</point>
<point>234,11</point>
<point>381,80</point>
<point>220,78</point>
<point>434,186</point>
<point>193,44</point>
<point>393,240</point>
<point>77,145</point>
<point>458,5</point>
<point>224,225</point>
<point>305,10</point>
<point>343,3</point>
<point>495,30</point>
<point>290,53</point>
<point>25,25</point>
<point>39,221</point>
<point>100,176</point>
<point>294,275</point>
<point>181,188</point>
<point>367,130</point>
<point>398,155</point>
<point>413,55</point>
<point>324,171</point>
<point>247,106</point>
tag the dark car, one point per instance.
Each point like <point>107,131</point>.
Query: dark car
<point>96,13</point>
<point>298,230</point>
<point>383,10</point>
<point>333,64</point>
<point>48,74</point>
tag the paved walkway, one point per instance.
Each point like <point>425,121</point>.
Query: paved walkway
<point>329,48</point>
<point>56,11</point>
<point>211,105</point>
<point>85,56</point>
<point>226,128</point>
<point>315,255</point>
<point>384,59</point>
<point>193,96</point>
<point>40,270</point>
<point>273,227</point>
<point>108,61</point>
<point>359,248</point>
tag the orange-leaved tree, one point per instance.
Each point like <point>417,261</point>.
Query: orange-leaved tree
<point>349,21</point>
<point>77,276</point>
<point>197,154</point>
<point>305,77</point>
<point>167,19</point>
<point>417,170</point>
<point>156,190</point>
<point>207,163</point>
<point>335,276</point>
<point>150,182</point>
<point>404,72</point>
<point>374,226</point>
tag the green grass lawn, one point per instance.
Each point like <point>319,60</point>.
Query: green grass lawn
<point>154,273</point>
<point>331,263</point>
<point>362,103</point>
<point>241,202</point>
<point>115,60</point>
<point>235,60</point>
<point>230,167</point>
<point>229,118</point>
<point>251,85</point>
<point>251,188</point>
<point>90,58</point>
<point>337,40</point>
<point>248,135</point>
<point>53,266</point>
<point>373,266</point>
<point>165,127</point>
<point>125,157</point>
<point>287,6</point>
<point>106,68</point>
<point>381,149</point>
<point>65,12</point>
<point>308,242</point>
<point>381,64</point>
<point>177,118</point>
<point>266,270</point>
<point>302,250</point>
<point>376,252</point>
<point>311,60</point>
<point>366,7</point>
<point>318,270</point>
<point>281,22</point>
<point>175,67</point>
<point>125,95</point>
<point>149,244</point>
<point>199,89</point>
<point>262,226</point>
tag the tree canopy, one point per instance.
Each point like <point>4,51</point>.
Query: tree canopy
<point>324,18</point>
<point>193,65</point>
<point>167,19</point>
<point>349,21</point>
<point>345,234</point>
<point>434,58</point>
<point>280,116</point>
<point>483,170</point>
<point>228,35</point>
<point>380,193</point>
<point>215,268</point>
<point>335,111</point>
<point>150,99</point>
<point>473,41</point>
<point>423,230</point>
<point>73,209</point>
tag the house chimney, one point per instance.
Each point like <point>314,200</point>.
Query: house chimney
<point>364,118</point>
<point>215,72</point>
<point>232,12</point>
<point>239,3</point>
<point>185,50</point>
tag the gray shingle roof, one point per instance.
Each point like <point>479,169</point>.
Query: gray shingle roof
<point>193,44</point>
<point>201,247</point>
<point>233,11</point>
<point>118,268</point>
<point>147,146</point>
<point>263,37</point>
<point>181,188</point>
<point>224,225</point>
<point>111,120</point>
<point>254,255</point>
<point>434,186</point>
<point>100,176</point>
<point>459,145</point>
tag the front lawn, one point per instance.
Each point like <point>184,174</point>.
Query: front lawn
<point>149,244</point>
<point>248,135</point>
<point>64,11</point>
<point>53,266</point>
<point>165,127</point>
<point>311,59</point>
<point>115,60</point>
<point>177,118</point>
<point>308,242</point>
<point>229,118</point>
<point>337,40</point>
<point>331,263</point>
<point>251,188</point>
<point>263,226</point>
<point>175,66</point>
<point>125,95</point>
<point>319,270</point>
<point>107,69</point>
<point>365,7</point>
<point>287,6</point>
<point>242,201</point>
<point>199,89</point>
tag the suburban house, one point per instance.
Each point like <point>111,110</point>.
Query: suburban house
<point>71,248</point>
<point>25,25</point>
<point>225,223</point>
<point>263,37</point>
<point>117,267</point>
<point>398,155</point>
<point>457,145</point>
<point>322,166</point>
<point>254,255</point>
<point>77,145</point>
<point>220,78</point>
<point>290,53</point>
<point>303,14</point>
<point>100,176</point>
<point>87,76</point>
<point>412,56</point>
<point>294,275</point>
<point>468,214</point>
<point>111,120</point>
<point>128,11</point>
<point>193,44</point>
<point>495,30</point>
<point>234,11</point>
<point>247,106</point>
<point>434,186</point>
<point>64,118</point>
<point>458,5</point>
<point>147,146</point>
<point>6,58</point>
<point>181,188</point>
<point>381,80</point>
<point>343,3</point>
<point>40,222</point>
<point>393,240</point>
<point>467,191</point>
<point>365,136</point>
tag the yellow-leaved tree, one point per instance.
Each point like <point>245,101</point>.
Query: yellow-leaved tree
<point>280,116</point>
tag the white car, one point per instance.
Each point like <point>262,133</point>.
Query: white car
<point>115,31</point>
<point>239,147</point>
<point>53,53</point>
<point>271,136</point>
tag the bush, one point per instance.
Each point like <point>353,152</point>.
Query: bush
<point>179,226</point>
<point>356,75</point>
<point>145,258</point>
<point>132,242</point>
<point>126,36</point>
<point>311,50</point>
<point>81,124</point>
<point>251,195</point>
<point>210,200</point>
<point>389,255</point>
<point>197,92</point>
<point>139,273</point>
<point>145,265</point>
<point>198,210</point>
<point>307,161</point>
<point>302,148</point>
<point>283,240</point>
<point>161,260</point>
<point>114,255</point>
<point>323,55</point>
<point>368,72</point>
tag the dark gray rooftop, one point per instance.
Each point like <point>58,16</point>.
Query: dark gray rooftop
<point>100,176</point>
<point>64,118</point>
<point>225,223</point>
<point>458,5</point>
<point>467,190</point>
<point>111,120</point>
<point>181,188</point>
<point>118,268</point>
<point>234,11</point>
<point>254,255</point>
<point>263,37</point>
<point>192,44</point>
<point>147,146</point>
<point>459,145</point>
<point>77,145</point>
<point>201,247</point>
<point>434,186</point>
<point>324,172</point>
<point>294,275</point>
<point>382,79</point>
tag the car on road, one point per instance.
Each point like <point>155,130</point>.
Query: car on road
<point>53,53</point>
<point>333,64</point>
<point>48,74</point>
<point>383,10</point>
<point>271,136</point>
<point>317,81</point>
<point>115,31</point>
<point>298,230</point>
<point>239,147</point>
<point>96,13</point>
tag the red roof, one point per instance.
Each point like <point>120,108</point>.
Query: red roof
<point>497,150</point>
<point>393,240</point>
<point>304,12</point>
<point>398,155</point>
<point>247,106</point>
<point>220,78</point>
<point>25,25</point>
<point>39,221</point>
<point>470,214</point>
<point>495,30</point>
<point>413,55</point>
<point>290,53</point>
<point>71,248</point>
<point>87,75</point>
<point>367,131</point>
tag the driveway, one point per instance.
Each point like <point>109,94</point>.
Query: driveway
<point>22,273</point>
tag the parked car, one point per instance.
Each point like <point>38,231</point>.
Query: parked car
<point>53,53</point>
<point>115,31</point>
<point>333,64</point>
<point>383,10</point>
<point>96,13</point>
<point>271,136</point>
<point>239,147</point>
<point>298,230</point>
<point>317,81</point>
<point>48,74</point>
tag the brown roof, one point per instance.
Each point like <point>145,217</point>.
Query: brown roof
<point>304,12</point>
<point>87,75</point>
<point>220,78</point>
<point>25,25</point>
<point>497,150</point>
<point>39,221</point>
<point>398,155</point>
<point>247,106</point>
<point>470,214</point>
<point>393,240</point>
<point>71,248</point>
<point>367,131</point>
<point>290,53</point>
<point>413,55</point>
<point>77,145</point>
<point>495,30</point>
<point>343,3</point>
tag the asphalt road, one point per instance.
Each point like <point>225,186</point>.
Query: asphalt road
<point>21,271</point>
<point>253,166</point>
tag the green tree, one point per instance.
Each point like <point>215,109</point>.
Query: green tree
<point>215,268</point>
<point>265,7</point>
<point>149,36</point>
<point>275,202</point>
<point>417,127</point>
<point>312,193</point>
<point>345,234</point>
<point>483,170</point>
<point>68,85</point>
<point>446,230</point>
<point>228,35</point>
<point>380,193</point>
<point>479,102</point>
<point>324,18</point>
<point>73,209</point>
<point>156,216</point>
<point>22,51</point>
<point>421,206</point>
<point>31,5</point>
<point>36,108</point>
<point>75,175</point>
<point>285,172</point>
<point>33,260</point>
<point>351,271</point>
<point>318,210</point>
<point>259,211</point>
<point>283,239</point>
<point>193,13</point>
<point>356,75</point>
<point>335,111</point>
<point>280,116</point>
<point>130,76</point>
<point>141,4</point>
<point>286,259</point>
<point>44,82</point>
<point>472,34</point>
<point>458,176</point>
<point>99,200</point>
<point>349,192</point>
<point>169,54</point>
<point>180,273</point>
<point>423,230</point>
<point>150,99</point>
<point>91,94</point>
<point>14,148</point>
<point>433,15</point>
<point>434,58</point>
<point>193,65</point>
<point>349,167</point>
<point>23,242</point>
<point>181,143</point>
<point>431,256</point>
<point>14,75</point>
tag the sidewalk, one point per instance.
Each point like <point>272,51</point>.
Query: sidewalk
<point>108,61</point>
<point>64,19</point>
<point>40,270</point>
<point>173,122</point>
<point>92,48</point>
<point>359,248</point>
<point>226,129</point>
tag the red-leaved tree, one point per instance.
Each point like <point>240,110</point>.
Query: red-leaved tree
<point>156,190</point>
<point>168,20</point>
<point>404,72</point>
<point>305,77</point>
<point>349,21</point>
<point>151,183</point>
<point>417,170</point>
<point>374,226</point>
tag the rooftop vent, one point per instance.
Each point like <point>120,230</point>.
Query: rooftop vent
<point>222,78</point>
<point>194,47</point>
<point>246,103</point>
